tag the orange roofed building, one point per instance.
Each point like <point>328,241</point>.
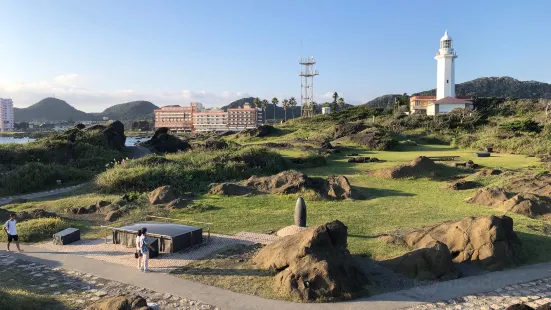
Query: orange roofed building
<point>196,118</point>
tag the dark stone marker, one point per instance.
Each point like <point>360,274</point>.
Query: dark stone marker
<point>300,212</point>
<point>154,243</point>
<point>67,236</point>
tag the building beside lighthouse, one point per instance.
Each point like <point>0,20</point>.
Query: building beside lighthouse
<point>445,100</point>
<point>6,115</point>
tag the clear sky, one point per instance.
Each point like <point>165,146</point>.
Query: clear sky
<point>95,53</point>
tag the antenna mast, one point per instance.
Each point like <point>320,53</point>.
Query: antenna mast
<point>307,74</point>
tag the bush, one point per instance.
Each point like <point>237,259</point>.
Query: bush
<point>36,230</point>
<point>311,160</point>
<point>35,176</point>
<point>523,125</point>
<point>191,171</point>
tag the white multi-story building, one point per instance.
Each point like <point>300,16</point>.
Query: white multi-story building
<point>6,115</point>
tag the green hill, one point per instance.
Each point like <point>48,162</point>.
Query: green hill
<point>130,111</point>
<point>482,87</point>
<point>51,109</point>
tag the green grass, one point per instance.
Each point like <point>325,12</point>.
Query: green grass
<point>391,204</point>
<point>17,299</point>
<point>38,229</point>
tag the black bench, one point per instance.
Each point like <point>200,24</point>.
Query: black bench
<point>443,158</point>
<point>483,154</point>
<point>67,236</point>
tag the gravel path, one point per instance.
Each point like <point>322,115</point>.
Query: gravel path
<point>78,290</point>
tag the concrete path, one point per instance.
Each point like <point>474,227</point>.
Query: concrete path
<point>53,192</point>
<point>227,300</point>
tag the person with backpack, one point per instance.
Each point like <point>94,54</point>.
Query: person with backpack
<point>144,249</point>
<point>11,230</point>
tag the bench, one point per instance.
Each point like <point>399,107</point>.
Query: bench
<point>483,154</point>
<point>67,236</point>
<point>443,158</point>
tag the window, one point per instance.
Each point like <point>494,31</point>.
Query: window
<point>447,81</point>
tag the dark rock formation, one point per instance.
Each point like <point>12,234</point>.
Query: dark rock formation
<point>113,216</point>
<point>163,142</point>
<point>343,130</point>
<point>229,189</point>
<point>489,241</point>
<point>434,262</point>
<point>114,134</point>
<point>313,264</point>
<point>128,302</point>
<point>215,144</point>
<point>464,185</point>
<point>260,131</point>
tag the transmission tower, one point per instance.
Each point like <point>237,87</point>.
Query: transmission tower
<point>307,74</point>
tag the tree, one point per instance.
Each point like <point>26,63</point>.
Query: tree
<point>334,103</point>
<point>315,107</point>
<point>340,102</point>
<point>256,102</point>
<point>275,102</point>
<point>285,105</point>
<point>264,105</point>
<point>293,104</point>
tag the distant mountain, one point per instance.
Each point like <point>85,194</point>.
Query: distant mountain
<point>499,87</point>
<point>482,87</point>
<point>51,109</point>
<point>130,111</point>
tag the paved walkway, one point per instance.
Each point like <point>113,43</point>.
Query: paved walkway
<point>6,200</point>
<point>492,283</point>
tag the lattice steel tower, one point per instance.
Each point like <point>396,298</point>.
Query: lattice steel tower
<point>307,74</point>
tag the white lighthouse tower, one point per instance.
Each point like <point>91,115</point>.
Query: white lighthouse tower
<point>445,74</point>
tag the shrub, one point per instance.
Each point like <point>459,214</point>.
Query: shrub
<point>523,125</point>
<point>191,171</point>
<point>36,230</point>
<point>34,176</point>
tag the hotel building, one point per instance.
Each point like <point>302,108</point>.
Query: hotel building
<point>6,115</point>
<point>196,118</point>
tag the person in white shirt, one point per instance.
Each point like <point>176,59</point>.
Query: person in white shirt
<point>11,230</point>
<point>144,249</point>
<point>139,249</point>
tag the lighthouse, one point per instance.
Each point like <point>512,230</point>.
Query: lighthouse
<point>445,72</point>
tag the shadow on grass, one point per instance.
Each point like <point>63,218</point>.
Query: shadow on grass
<point>371,193</point>
<point>16,298</point>
<point>536,248</point>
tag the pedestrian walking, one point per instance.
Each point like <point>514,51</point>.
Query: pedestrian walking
<point>139,254</point>
<point>11,230</point>
<point>144,248</point>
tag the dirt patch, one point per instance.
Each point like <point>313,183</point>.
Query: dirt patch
<point>488,241</point>
<point>419,167</point>
<point>464,185</point>
<point>313,265</point>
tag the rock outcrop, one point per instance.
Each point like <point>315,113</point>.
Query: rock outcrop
<point>464,185</point>
<point>229,189</point>
<point>419,167</point>
<point>313,264</point>
<point>490,196</point>
<point>163,142</point>
<point>433,262</point>
<point>162,195</point>
<point>215,144</point>
<point>347,129</point>
<point>33,214</point>
<point>530,205</point>
<point>338,187</point>
<point>128,302</point>
<point>114,134</point>
<point>489,241</point>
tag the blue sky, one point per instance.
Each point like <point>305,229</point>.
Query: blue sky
<point>97,53</point>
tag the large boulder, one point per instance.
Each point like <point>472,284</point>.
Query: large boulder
<point>419,167</point>
<point>374,139</point>
<point>122,302</point>
<point>313,264</point>
<point>434,262</point>
<point>286,182</point>
<point>490,196</point>
<point>163,142</point>
<point>488,241</point>
<point>229,189</point>
<point>530,205</point>
<point>338,187</point>
<point>113,216</point>
<point>114,134</point>
<point>162,195</point>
